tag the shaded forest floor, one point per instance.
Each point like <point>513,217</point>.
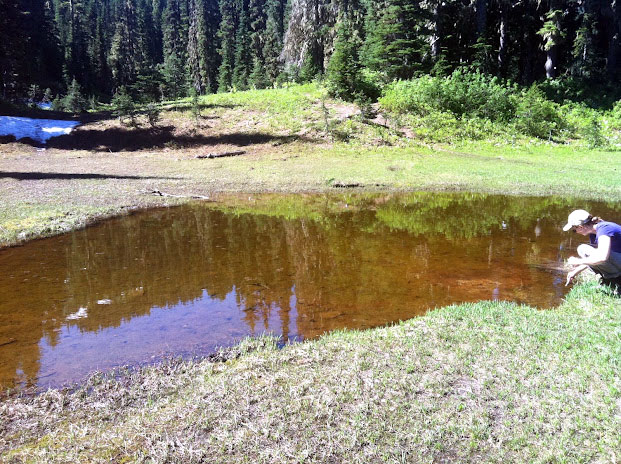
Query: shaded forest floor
<point>285,140</point>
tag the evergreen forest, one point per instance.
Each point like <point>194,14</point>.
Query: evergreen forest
<point>167,49</point>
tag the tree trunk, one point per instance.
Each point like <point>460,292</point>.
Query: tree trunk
<point>481,17</point>
<point>551,47</point>
<point>614,49</point>
<point>551,61</point>
<point>434,39</point>
<point>502,41</point>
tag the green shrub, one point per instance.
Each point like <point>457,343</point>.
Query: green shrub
<point>614,116</point>
<point>152,112</point>
<point>538,117</point>
<point>74,101</point>
<point>478,95</point>
<point>123,105</point>
<point>465,95</point>
<point>440,126</point>
<point>415,96</point>
<point>48,97</point>
<point>593,134</point>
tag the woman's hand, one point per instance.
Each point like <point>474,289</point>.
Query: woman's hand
<point>570,276</point>
<point>574,272</point>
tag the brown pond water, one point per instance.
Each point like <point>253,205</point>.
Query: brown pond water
<point>186,280</point>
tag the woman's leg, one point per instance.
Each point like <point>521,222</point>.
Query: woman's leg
<point>584,250</point>
<point>609,269</point>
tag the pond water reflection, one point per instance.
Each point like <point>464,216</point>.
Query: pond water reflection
<point>186,280</point>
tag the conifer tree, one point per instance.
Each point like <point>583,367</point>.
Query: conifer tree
<point>44,59</point>
<point>226,34</point>
<point>256,13</point>
<point>173,68</point>
<point>98,53</point>
<point>344,73</point>
<point>393,44</point>
<point>272,44</point>
<point>12,47</point>
<point>194,60</point>
<point>146,35</point>
<point>243,59</point>
<point>74,101</point>
<point>124,53</point>
<point>158,35</point>
<point>75,44</point>
<point>208,44</point>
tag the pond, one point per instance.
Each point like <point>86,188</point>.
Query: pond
<point>184,281</point>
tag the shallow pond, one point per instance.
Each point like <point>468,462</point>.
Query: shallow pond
<point>186,280</point>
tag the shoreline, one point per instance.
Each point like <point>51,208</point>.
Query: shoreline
<point>483,376</point>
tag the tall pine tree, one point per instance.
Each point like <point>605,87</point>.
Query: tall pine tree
<point>226,34</point>
<point>194,59</point>
<point>243,54</point>
<point>256,12</point>
<point>273,39</point>
<point>394,40</point>
<point>126,53</point>
<point>173,68</point>
<point>207,44</point>
<point>344,73</point>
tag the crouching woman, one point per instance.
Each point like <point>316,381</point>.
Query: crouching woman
<point>603,254</point>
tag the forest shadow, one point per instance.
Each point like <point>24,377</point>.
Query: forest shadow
<point>187,106</point>
<point>118,139</point>
<point>71,176</point>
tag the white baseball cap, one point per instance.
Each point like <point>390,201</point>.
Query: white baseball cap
<point>577,218</point>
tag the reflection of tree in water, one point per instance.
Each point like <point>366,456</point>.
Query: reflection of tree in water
<point>348,269</point>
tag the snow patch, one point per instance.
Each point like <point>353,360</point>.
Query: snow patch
<point>40,130</point>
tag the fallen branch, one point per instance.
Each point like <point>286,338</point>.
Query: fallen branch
<point>164,194</point>
<point>220,155</point>
<point>345,185</point>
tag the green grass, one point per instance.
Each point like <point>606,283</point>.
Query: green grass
<point>294,152</point>
<point>290,108</point>
<point>484,382</point>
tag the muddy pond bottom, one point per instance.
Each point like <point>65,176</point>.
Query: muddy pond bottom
<point>184,281</point>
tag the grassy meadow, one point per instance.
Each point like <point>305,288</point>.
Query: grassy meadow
<point>291,139</point>
<point>485,382</point>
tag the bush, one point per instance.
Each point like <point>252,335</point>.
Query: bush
<point>123,105</point>
<point>538,117</point>
<point>74,101</point>
<point>153,114</point>
<point>475,97</point>
<point>592,92</point>
<point>444,126</point>
<point>48,97</point>
<point>593,134</point>
<point>614,116</point>
<point>470,95</point>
